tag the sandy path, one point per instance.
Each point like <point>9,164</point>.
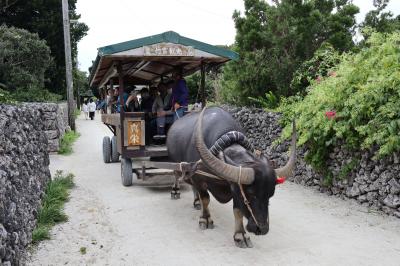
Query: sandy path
<point>142,226</point>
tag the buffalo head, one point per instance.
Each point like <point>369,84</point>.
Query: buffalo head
<point>253,180</point>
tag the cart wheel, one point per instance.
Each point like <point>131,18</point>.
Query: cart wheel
<point>126,172</point>
<point>114,150</point>
<point>106,149</point>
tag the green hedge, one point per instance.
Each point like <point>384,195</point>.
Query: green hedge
<point>359,105</point>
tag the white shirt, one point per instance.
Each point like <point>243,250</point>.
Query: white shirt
<point>85,108</point>
<point>92,107</point>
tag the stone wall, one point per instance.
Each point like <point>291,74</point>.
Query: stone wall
<point>55,118</point>
<point>373,183</point>
<point>24,173</point>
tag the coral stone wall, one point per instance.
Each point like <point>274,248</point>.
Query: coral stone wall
<point>55,118</point>
<point>24,173</point>
<point>373,183</point>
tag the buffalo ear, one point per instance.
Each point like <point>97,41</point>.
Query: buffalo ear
<point>271,163</point>
<point>264,159</point>
<point>225,158</point>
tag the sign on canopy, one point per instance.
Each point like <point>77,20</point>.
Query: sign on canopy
<point>168,49</point>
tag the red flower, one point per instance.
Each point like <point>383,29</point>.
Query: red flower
<point>330,114</point>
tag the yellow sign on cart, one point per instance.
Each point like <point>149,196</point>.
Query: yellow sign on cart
<point>134,133</point>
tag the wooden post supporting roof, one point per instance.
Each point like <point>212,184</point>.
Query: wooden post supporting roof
<point>202,85</point>
<point>111,84</point>
<point>121,99</point>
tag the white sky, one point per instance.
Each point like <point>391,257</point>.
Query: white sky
<point>208,21</point>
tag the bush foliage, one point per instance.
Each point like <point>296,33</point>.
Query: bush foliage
<point>320,65</point>
<point>5,97</point>
<point>359,105</point>
<point>24,58</point>
<point>35,95</point>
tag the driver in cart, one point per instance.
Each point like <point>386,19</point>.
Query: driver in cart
<point>180,95</point>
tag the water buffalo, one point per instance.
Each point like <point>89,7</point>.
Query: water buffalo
<point>228,168</point>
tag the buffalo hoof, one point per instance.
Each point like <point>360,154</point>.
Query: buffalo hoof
<point>176,196</point>
<point>175,193</point>
<point>196,204</point>
<point>242,240</point>
<point>206,223</point>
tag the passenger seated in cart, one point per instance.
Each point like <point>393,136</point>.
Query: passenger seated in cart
<point>113,101</point>
<point>125,96</point>
<point>146,106</point>
<point>162,108</point>
<point>180,95</point>
<point>146,102</point>
<point>109,100</point>
<point>132,104</point>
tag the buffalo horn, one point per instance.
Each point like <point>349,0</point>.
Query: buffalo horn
<point>222,169</point>
<point>286,170</point>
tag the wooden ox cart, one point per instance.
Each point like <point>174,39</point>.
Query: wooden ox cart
<point>146,61</point>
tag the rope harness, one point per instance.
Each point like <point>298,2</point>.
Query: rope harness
<point>246,202</point>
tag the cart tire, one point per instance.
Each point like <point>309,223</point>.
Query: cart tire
<point>126,172</point>
<point>106,149</point>
<point>114,150</point>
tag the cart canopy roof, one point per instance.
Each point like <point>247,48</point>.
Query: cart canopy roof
<point>147,60</point>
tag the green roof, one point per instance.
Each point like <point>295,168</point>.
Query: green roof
<point>222,55</point>
<point>171,37</point>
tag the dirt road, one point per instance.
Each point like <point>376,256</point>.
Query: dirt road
<point>119,225</point>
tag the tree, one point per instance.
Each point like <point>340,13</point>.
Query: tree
<point>44,17</point>
<point>194,82</point>
<point>24,58</point>
<point>274,39</point>
<point>379,20</point>
<point>81,83</point>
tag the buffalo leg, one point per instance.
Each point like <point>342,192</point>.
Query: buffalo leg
<point>205,222</point>
<point>240,237</point>
<point>196,199</point>
<point>176,192</point>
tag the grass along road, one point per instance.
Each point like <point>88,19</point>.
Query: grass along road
<point>51,212</point>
